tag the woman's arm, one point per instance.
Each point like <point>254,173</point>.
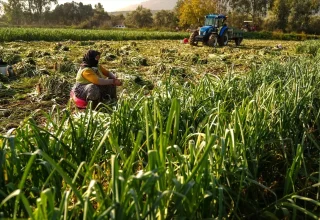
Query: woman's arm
<point>93,78</point>
<point>110,75</point>
<point>107,73</point>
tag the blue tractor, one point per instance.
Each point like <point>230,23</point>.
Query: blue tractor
<point>216,32</point>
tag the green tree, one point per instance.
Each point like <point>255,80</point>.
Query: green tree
<point>253,9</point>
<point>139,18</point>
<point>28,10</point>
<point>39,6</point>
<point>117,19</point>
<point>300,13</point>
<point>13,11</point>
<point>314,25</point>
<point>86,11</point>
<point>71,13</point>
<point>165,18</point>
<point>100,17</point>
<point>100,14</point>
<point>66,14</point>
<point>281,11</point>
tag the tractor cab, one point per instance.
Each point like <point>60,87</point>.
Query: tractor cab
<point>215,31</point>
<point>215,20</point>
<point>248,26</point>
<point>213,23</point>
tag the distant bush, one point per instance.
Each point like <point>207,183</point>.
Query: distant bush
<point>258,35</point>
<point>278,34</point>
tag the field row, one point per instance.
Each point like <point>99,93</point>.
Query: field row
<point>50,34</point>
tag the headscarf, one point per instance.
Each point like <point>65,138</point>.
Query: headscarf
<point>89,59</point>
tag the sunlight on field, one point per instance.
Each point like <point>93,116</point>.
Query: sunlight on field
<point>225,132</point>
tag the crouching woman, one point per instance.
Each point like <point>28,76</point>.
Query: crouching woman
<point>93,82</point>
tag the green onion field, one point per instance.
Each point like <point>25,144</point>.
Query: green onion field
<point>210,133</point>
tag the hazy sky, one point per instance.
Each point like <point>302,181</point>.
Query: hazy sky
<point>108,5</point>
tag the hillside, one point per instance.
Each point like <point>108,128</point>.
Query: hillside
<point>126,12</point>
<point>153,5</point>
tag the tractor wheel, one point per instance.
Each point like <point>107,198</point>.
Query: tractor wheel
<point>205,43</point>
<point>223,40</point>
<point>213,40</point>
<point>192,39</point>
<point>238,41</point>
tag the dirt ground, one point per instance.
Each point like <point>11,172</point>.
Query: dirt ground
<point>34,62</point>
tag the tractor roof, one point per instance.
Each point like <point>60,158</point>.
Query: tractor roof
<point>216,16</point>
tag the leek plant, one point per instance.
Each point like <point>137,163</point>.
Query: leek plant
<point>225,147</point>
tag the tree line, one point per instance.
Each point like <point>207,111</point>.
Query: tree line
<point>269,15</point>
